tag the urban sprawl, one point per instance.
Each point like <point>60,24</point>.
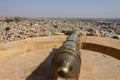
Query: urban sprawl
<point>17,28</point>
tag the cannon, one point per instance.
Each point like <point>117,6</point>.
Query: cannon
<point>66,61</point>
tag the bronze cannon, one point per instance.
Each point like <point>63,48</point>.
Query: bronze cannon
<point>66,62</point>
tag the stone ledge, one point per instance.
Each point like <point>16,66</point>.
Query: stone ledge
<point>103,45</point>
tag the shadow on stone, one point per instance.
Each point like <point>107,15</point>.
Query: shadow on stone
<point>114,52</point>
<point>44,70</point>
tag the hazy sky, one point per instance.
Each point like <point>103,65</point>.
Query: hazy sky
<point>61,8</point>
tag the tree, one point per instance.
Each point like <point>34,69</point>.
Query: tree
<point>115,37</point>
<point>9,20</point>
<point>7,29</point>
<point>17,19</point>
<point>89,30</point>
<point>55,26</point>
<point>67,32</point>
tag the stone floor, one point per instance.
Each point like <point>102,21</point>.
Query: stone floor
<point>36,66</point>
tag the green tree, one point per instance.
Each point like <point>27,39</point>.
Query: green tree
<point>17,19</point>
<point>9,20</point>
<point>7,29</point>
<point>89,30</point>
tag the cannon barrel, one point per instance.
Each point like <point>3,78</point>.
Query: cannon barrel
<point>66,62</point>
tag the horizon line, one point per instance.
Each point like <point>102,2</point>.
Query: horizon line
<point>64,17</point>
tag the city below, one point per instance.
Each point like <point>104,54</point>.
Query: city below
<point>19,28</point>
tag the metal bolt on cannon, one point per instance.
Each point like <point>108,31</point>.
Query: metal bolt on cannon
<point>66,62</point>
